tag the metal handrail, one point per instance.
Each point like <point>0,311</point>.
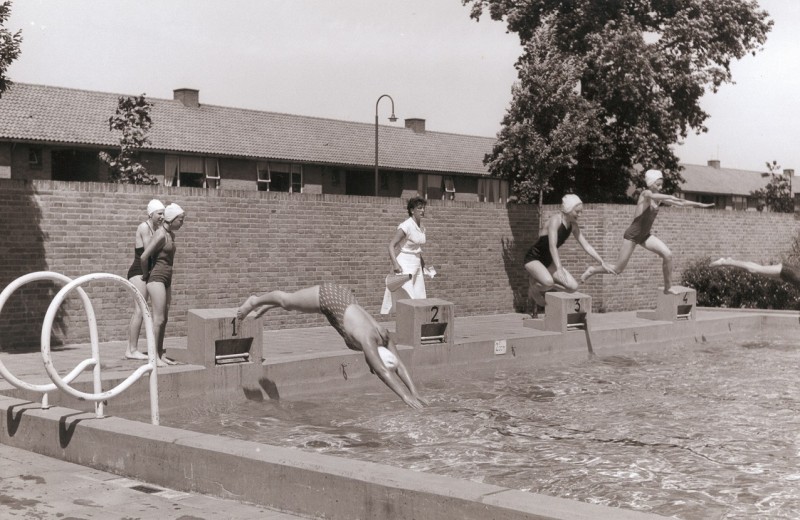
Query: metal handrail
<point>98,396</point>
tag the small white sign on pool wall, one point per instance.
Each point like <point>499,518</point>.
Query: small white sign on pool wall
<point>499,346</point>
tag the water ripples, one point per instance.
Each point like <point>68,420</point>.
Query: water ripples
<point>697,431</point>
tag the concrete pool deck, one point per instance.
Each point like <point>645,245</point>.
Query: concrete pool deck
<point>165,456</point>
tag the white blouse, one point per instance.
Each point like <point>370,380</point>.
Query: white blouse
<point>415,237</point>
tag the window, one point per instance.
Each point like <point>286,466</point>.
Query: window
<point>285,177</point>
<point>35,157</point>
<point>492,190</point>
<point>384,181</point>
<point>448,188</point>
<point>191,172</point>
<point>212,173</point>
<point>739,203</point>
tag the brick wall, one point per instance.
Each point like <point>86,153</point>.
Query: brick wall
<point>235,243</point>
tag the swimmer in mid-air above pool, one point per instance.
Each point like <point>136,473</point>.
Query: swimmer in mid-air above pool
<point>359,330</point>
<point>785,272</point>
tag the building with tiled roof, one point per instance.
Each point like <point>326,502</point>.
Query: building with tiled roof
<point>56,133</point>
<point>727,187</point>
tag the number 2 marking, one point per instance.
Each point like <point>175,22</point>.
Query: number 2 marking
<point>435,311</point>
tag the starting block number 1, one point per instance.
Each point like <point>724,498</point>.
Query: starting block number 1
<point>233,324</point>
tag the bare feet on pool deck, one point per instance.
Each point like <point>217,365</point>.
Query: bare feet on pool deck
<point>135,355</point>
<point>246,308</point>
<point>164,361</point>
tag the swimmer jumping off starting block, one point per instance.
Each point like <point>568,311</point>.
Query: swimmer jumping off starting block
<point>359,330</point>
<point>638,233</point>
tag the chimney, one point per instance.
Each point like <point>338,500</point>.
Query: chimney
<point>714,163</point>
<point>416,125</point>
<point>188,96</point>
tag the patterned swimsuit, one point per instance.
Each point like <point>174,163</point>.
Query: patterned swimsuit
<point>334,299</point>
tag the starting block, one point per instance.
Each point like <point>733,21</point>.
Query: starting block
<point>680,306</point>
<point>216,338</point>
<point>564,312</point>
<point>426,321</point>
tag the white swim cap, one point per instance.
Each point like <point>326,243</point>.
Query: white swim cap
<point>389,359</point>
<point>153,206</point>
<point>651,176</point>
<point>172,211</point>
<point>570,202</point>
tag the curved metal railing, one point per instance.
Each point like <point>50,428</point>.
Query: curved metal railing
<point>98,396</point>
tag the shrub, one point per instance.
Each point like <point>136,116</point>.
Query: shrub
<point>735,288</point>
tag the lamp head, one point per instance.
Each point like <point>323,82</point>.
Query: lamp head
<point>392,118</point>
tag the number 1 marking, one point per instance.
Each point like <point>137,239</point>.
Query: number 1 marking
<point>233,322</point>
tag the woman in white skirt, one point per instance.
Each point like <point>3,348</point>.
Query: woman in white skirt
<point>410,237</point>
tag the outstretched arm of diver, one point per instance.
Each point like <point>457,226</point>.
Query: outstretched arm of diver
<point>402,372</point>
<point>576,232</point>
<point>389,377</point>
<point>671,200</point>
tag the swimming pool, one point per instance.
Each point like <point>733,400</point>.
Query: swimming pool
<point>698,430</point>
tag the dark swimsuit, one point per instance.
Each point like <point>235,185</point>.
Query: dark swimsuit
<point>639,230</point>
<point>541,249</point>
<point>136,267</point>
<point>334,299</point>
<point>791,274</point>
<point>162,269</point>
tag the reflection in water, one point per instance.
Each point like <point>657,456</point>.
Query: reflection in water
<point>706,431</point>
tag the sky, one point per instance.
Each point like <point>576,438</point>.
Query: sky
<point>334,59</point>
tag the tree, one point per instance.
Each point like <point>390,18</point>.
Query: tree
<point>644,65</point>
<point>539,138</point>
<point>132,118</point>
<point>777,194</point>
<point>9,46</point>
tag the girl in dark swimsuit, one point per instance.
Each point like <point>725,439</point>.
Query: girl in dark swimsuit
<point>638,233</point>
<point>159,276</point>
<point>144,233</point>
<point>542,260</point>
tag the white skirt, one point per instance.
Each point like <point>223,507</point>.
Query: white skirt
<point>413,289</point>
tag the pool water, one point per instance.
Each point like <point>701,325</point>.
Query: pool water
<point>693,431</point>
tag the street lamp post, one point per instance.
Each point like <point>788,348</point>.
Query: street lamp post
<point>392,118</point>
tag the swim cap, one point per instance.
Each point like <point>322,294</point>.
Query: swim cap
<point>651,176</point>
<point>172,211</point>
<point>153,206</point>
<point>570,202</point>
<point>389,359</point>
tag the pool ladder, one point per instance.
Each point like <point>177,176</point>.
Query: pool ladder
<point>98,396</point>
